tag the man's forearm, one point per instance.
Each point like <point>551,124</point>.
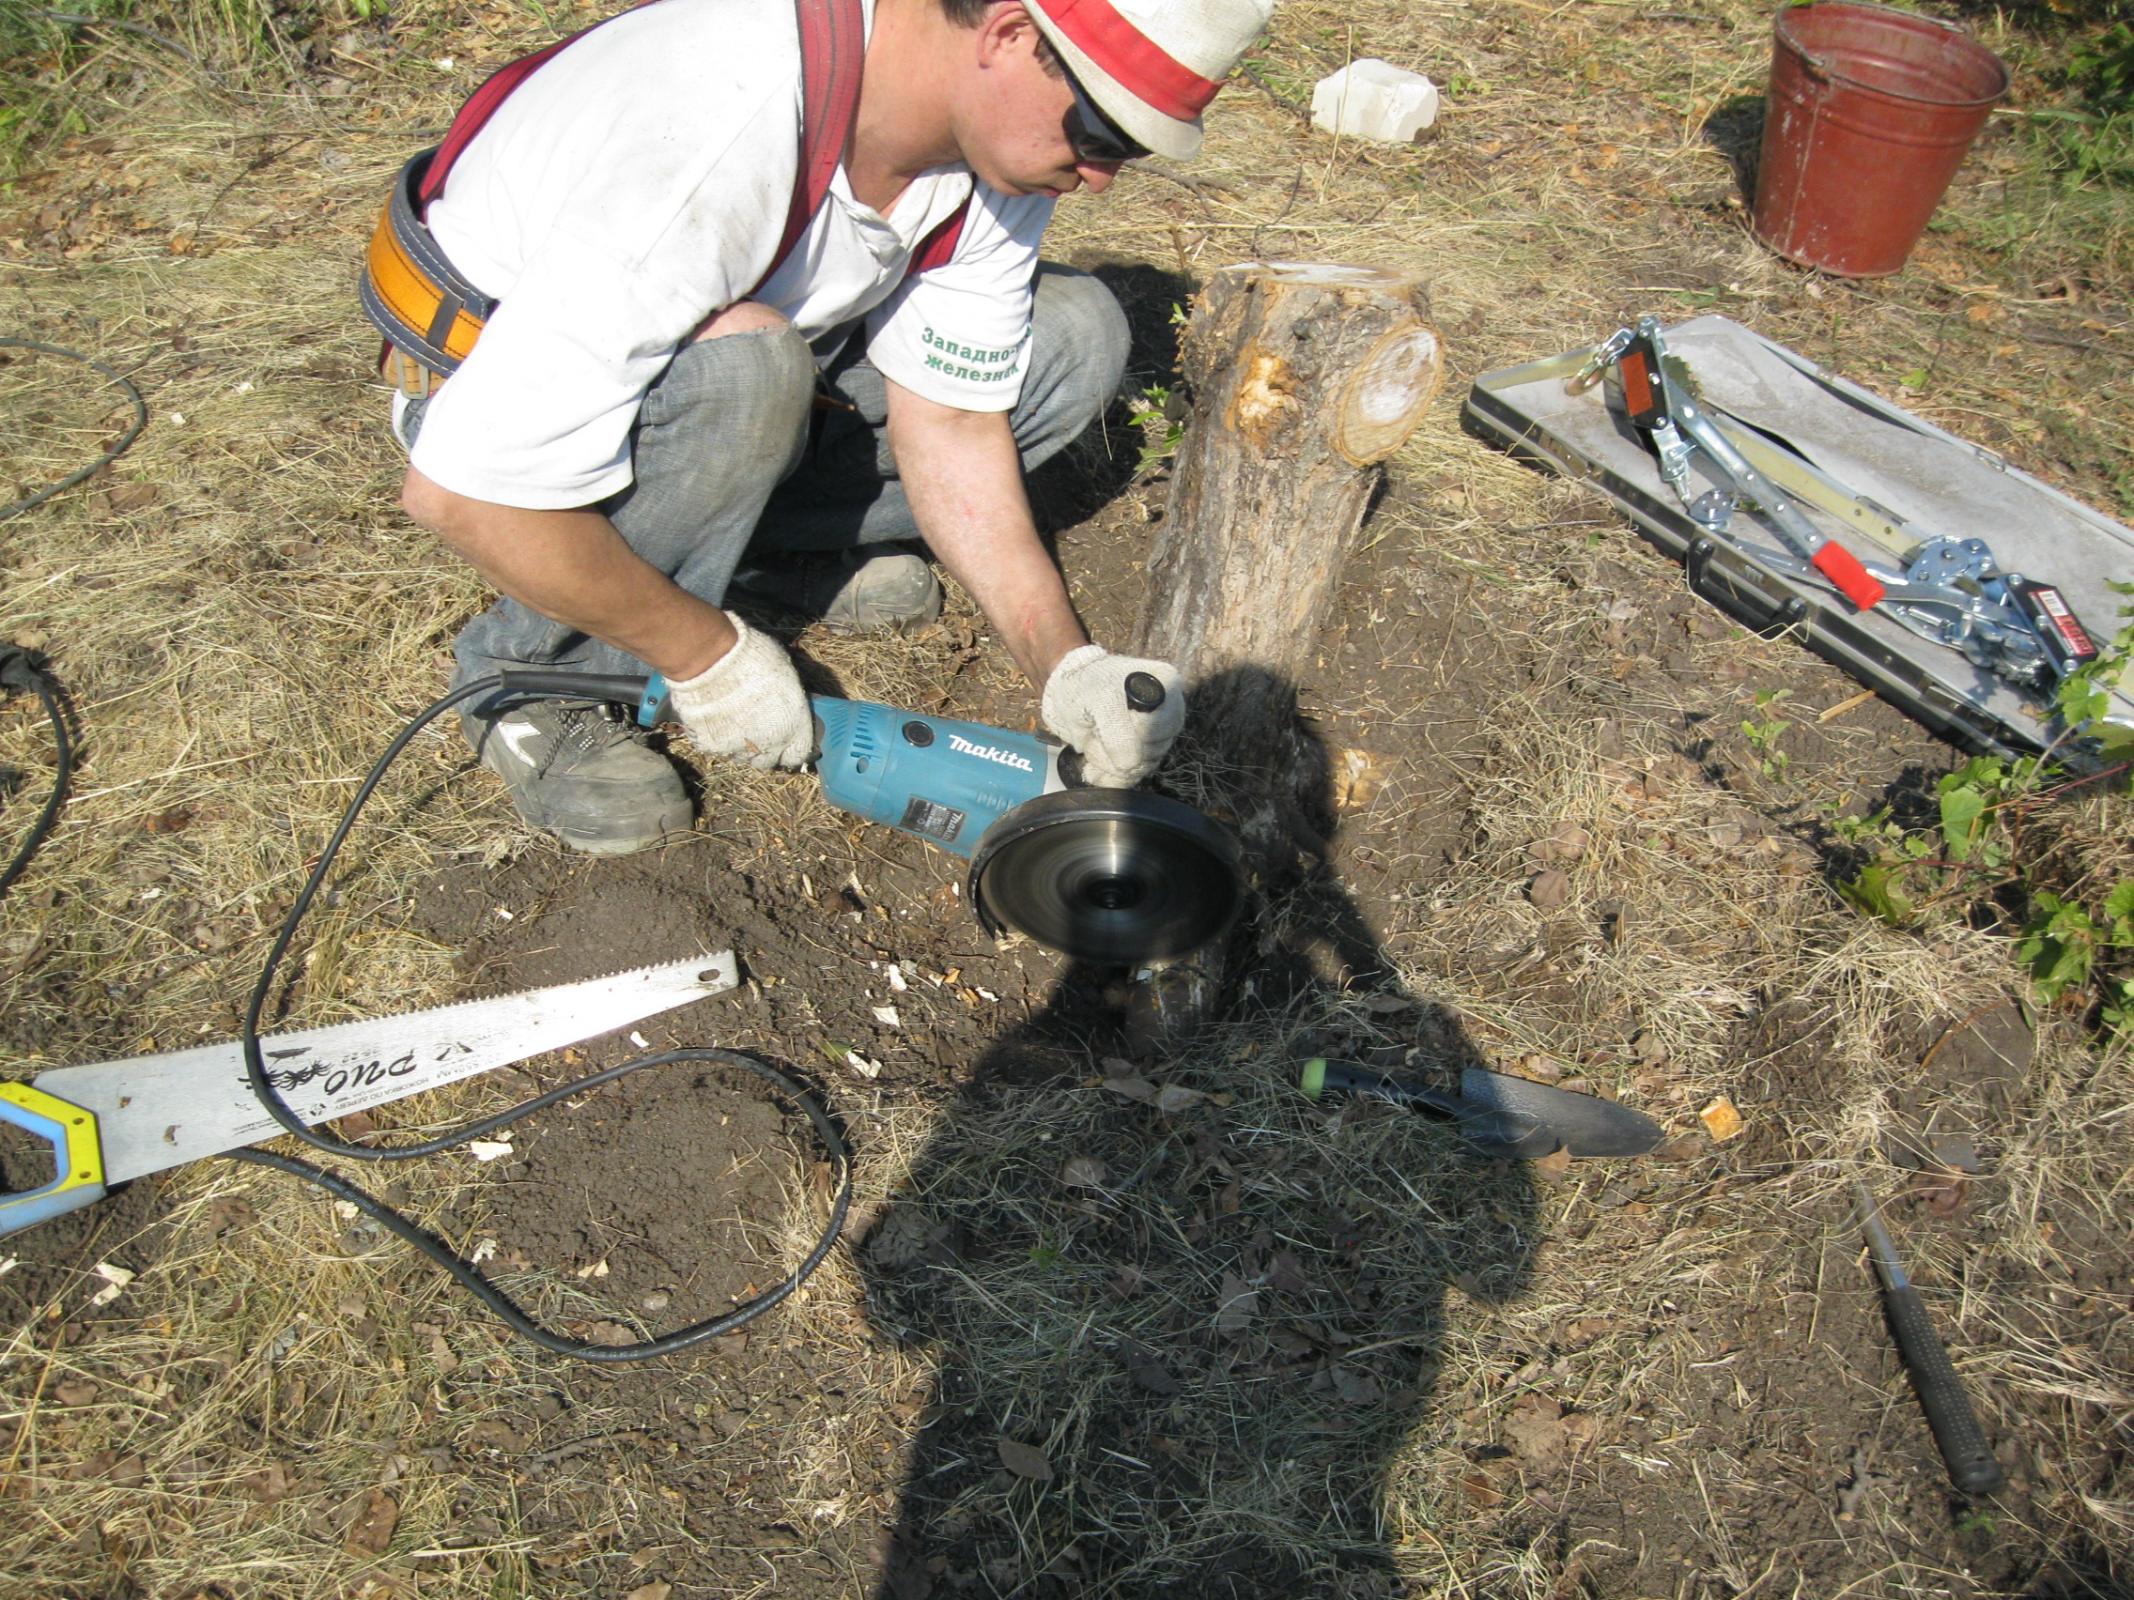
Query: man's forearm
<point>574,568</point>
<point>963,477</point>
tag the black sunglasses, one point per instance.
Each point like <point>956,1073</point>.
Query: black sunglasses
<point>1091,134</point>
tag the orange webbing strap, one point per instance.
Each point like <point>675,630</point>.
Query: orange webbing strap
<point>429,314</point>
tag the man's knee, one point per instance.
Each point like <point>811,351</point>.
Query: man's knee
<point>743,316</point>
<point>1081,333</point>
<point>747,377</point>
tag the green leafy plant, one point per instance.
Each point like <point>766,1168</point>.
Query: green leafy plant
<point>1160,415</point>
<point>1763,735</point>
<point>2090,136</point>
<point>1985,858</point>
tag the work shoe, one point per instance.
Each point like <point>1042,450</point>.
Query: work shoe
<point>876,588</point>
<point>583,774</point>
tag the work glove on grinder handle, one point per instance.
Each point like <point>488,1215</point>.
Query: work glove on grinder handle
<point>748,705</point>
<point>1090,704</point>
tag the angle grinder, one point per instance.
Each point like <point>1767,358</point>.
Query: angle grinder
<point>1107,875</point>
<point>1116,876</point>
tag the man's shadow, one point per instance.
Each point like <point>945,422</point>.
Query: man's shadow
<point>1182,1318</point>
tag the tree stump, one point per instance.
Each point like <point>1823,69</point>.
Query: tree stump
<point>1305,377</point>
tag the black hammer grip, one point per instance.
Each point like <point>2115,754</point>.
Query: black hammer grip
<point>1941,1394</point>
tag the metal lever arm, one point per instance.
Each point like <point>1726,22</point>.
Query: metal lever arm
<point>1863,588</point>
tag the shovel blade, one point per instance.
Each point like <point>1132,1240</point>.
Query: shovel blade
<point>1583,1124</point>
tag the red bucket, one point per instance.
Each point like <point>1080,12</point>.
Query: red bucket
<point>1869,116</point>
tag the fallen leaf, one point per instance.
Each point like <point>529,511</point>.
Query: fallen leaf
<point>1553,1167</point>
<point>132,496</point>
<point>1355,1387</point>
<point>1584,1330</point>
<point>1484,1487</point>
<point>74,1391</point>
<point>370,1532</point>
<point>1385,1005</point>
<point>650,1591</point>
<point>1541,1068</point>
<point>1083,1172</point>
<point>1721,1119</point>
<point>1137,1089</point>
<point>270,1484</point>
<point>1240,1303</point>
<point>1285,1274</point>
<point>1535,1432</point>
<point>1025,1460</point>
<point>1147,1371</point>
<point>1173,1098</point>
<point>1549,890</point>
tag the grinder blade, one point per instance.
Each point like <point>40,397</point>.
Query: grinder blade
<point>1107,875</point>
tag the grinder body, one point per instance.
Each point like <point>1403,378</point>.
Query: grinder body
<point>1115,876</point>
<point>946,781</point>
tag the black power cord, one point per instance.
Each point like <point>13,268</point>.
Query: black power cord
<point>15,508</point>
<point>25,669</point>
<point>552,685</point>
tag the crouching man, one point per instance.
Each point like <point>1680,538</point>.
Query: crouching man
<point>739,294</point>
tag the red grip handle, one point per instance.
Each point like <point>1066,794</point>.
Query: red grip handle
<point>1854,581</point>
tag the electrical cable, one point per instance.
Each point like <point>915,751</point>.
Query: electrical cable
<point>574,686</point>
<point>21,669</point>
<point>133,429</point>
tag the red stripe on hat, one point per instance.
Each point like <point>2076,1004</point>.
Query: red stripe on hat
<point>1142,67</point>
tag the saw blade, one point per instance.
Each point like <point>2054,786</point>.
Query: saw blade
<point>1108,875</point>
<point>159,1111</point>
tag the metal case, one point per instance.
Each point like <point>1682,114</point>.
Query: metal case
<point>1895,462</point>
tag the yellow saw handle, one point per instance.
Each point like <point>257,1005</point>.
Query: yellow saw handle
<point>77,1156</point>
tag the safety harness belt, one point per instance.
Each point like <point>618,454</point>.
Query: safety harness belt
<point>431,316</point>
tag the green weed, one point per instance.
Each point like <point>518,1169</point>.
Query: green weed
<point>1763,735</point>
<point>1160,415</point>
<point>1985,860</point>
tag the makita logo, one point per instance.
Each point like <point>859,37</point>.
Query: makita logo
<point>986,752</point>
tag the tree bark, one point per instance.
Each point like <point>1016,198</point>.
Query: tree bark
<point>1304,379</point>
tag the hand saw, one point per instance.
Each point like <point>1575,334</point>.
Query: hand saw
<point>110,1121</point>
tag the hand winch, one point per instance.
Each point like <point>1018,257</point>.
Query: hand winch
<point>1950,591</point>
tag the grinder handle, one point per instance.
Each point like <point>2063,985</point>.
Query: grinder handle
<point>1144,691</point>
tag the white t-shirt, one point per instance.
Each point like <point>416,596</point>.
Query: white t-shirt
<point>639,181</point>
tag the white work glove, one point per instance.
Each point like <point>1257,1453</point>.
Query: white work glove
<point>1085,705</point>
<point>748,705</point>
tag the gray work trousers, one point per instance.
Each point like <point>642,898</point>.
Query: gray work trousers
<point>732,460</point>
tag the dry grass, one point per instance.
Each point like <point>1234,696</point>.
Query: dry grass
<point>241,615</point>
